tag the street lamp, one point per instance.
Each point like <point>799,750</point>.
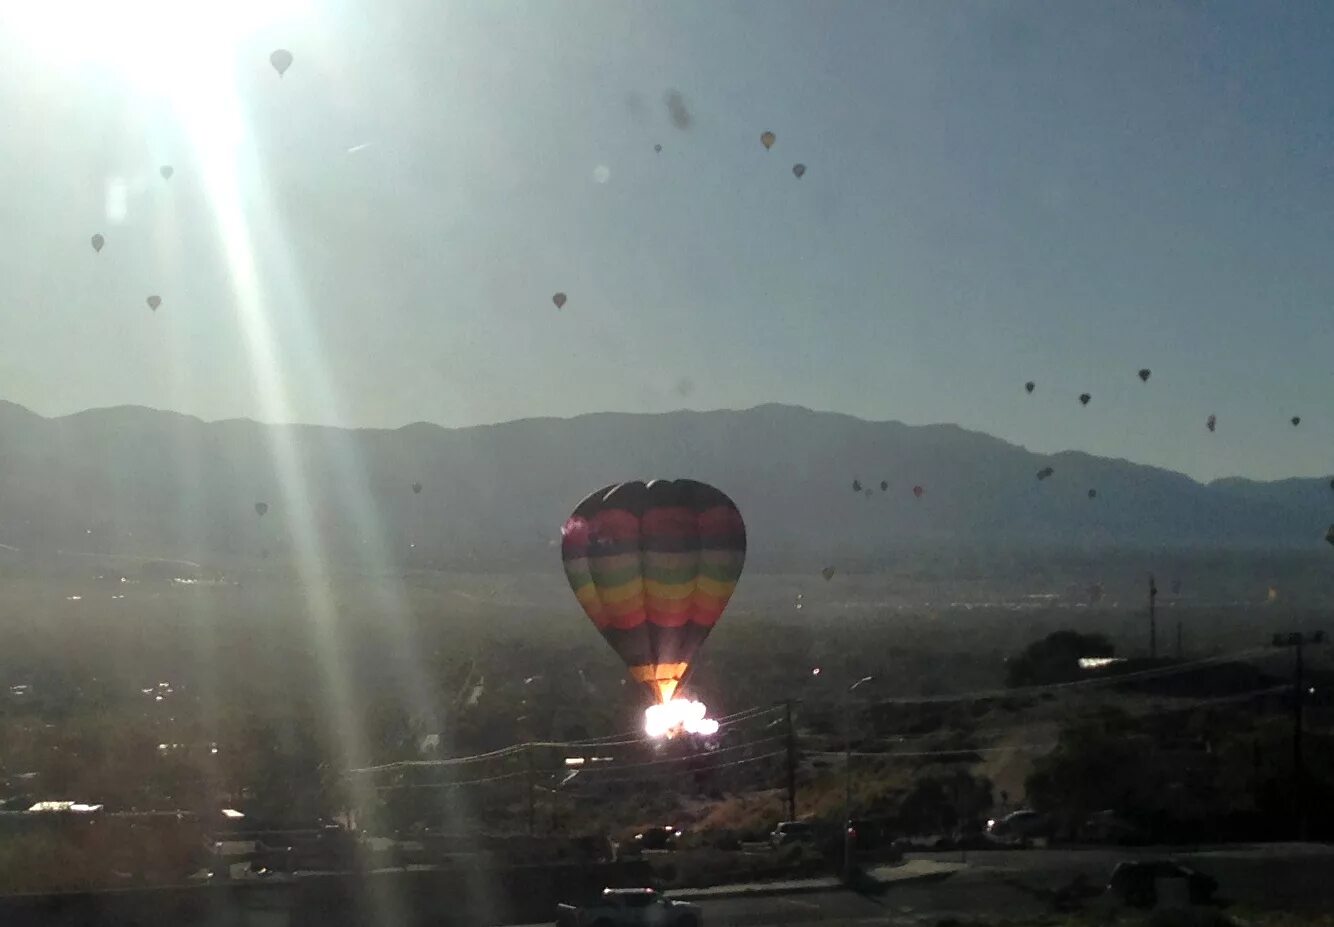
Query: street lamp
<point>848,835</point>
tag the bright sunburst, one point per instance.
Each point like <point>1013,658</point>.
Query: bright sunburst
<point>162,47</point>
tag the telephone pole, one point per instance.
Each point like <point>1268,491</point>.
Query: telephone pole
<point>1296,640</point>
<point>1153,618</point>
<point>791,762</point>
<point>528,778</point>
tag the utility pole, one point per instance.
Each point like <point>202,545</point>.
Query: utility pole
<point>791,762</point>
<point>528,777</point>
<point>849,835</point>
<point>1296,640</point>
<point>1153,618</point>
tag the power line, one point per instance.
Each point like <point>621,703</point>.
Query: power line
<point>1111,679</point>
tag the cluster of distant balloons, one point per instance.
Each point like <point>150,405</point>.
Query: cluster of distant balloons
<point>281,59</point>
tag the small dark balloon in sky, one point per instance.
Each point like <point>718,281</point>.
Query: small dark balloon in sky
<point>1212,422</point>
<point>685,387</point>
<point>1093,494</point>
<point>658,149</point>
<point>1296,420</point>
<point>1030,386</point>
<point>153,302</point>
<point>798,170</point>
<point>1084,399</point>
<point>1144,374</point>
<point>676,109</point>
<point>166,171</point>
<point>98,242</point>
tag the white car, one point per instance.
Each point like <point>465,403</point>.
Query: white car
<point>629,907</point>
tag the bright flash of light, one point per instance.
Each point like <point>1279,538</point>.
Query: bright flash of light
<point>679,716</point>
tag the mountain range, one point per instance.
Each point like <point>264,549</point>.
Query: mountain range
<point>159,484</point>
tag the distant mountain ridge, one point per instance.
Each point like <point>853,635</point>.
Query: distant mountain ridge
<point>152,483</point>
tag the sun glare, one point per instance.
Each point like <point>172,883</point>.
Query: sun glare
<point>159,46</point>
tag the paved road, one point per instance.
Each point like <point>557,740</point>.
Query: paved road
<point>1017,883</point>
<point>963,895</point>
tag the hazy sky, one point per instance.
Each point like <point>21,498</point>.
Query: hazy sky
<point>996,192</point>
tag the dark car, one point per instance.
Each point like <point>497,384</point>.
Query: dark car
<point>789,832</point>
<point>1135,883</point>
<point>657,838</point>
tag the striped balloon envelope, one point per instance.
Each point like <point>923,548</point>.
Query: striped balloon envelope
<point>654,565</point>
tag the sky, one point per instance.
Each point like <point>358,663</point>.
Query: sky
<point>995,192</point>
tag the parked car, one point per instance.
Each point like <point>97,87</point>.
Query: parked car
<point>790,832</point>
<point>629,907</point>
<point>1136,883</point>
<point>658,838</point>
<point>1019,826</point>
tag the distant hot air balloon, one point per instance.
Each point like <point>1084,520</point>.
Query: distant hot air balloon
<point>1296,420</point>
<point>1045,472</point>
<point>154,301</point>
<point>1144,374</point>
<point>798,170</point>
<point>1093,494</point>
<point>416,488</point>
<point>918,491</point>
<point>559,300</point>
<point>261,509</point>
<point>1272,595</point>
<point>98,242</point>
<point>654,565</point>
<point>1212,422</point>
<point>281,59</point>
<point>1030,386</point>
<point>767,139</point>
<point>658,149</point>
<point>856,485</point>
<point>166,171</point>
<point>1084,399</point>
<point>884,485</point>
<point>827,573</point>
<point>1329,535</point>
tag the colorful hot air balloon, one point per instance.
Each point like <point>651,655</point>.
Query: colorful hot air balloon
<point>98,242</point>
<point>798,170</point>
<point>918,491</point>
<point>261,509</point>
<point>1084,399</point>
<point>654,565</point>
<point>1030,386</point>
<point>767,139</point>
<point>1211,423</point>
<point>154,301</point>
<point>827,573</point>
<point>166,171</point>
<point>416,488</point>
<point>1144,374</point>
<point>281,59</point>
<point>1296,420</point>
<point>559,300</point>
